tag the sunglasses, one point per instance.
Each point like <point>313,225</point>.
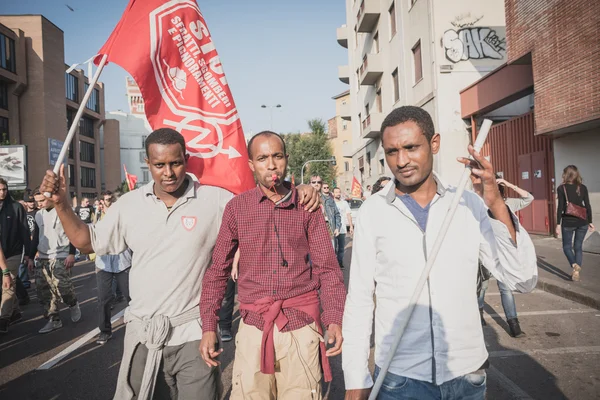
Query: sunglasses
<point>319,182</point>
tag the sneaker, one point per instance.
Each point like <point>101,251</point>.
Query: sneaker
<point>575,275</point>
<point>226,335</point>
<point>515,328</point>
<point>16,317</point>
<point>75,313</point>
<point>104,337</point>
<point>51,325</point>
<point>4,325</point>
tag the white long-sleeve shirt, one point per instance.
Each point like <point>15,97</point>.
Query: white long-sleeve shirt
<point>443,339</point>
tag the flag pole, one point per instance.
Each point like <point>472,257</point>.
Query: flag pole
<point>75,123</point>
<point>485,128</point>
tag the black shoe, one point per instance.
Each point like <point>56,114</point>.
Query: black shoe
<point>119,299</point>
<point>515,328</point>
<point>4,325</point>
<point>16,317</point>
<point>103,338</point>
<point>226,335</point>
<point>483,323</point>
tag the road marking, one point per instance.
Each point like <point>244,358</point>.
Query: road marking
<point>83,340</point>
<point>516,392</point>
<point>548,312</point>
<point>558,350</point>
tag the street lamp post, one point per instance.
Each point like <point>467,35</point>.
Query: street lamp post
<point>271,111</point>
<point>331,160</point>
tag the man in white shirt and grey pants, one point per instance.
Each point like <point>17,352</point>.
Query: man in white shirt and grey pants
<point>442,354</point>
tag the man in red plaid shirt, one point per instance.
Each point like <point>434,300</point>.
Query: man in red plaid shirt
<point>286,257</point>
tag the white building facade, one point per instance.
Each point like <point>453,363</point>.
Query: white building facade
<point>420,53</point>
<point>134,129</point>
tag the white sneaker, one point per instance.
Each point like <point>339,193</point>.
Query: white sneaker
<point>51,325</point>
<point>75,313</point>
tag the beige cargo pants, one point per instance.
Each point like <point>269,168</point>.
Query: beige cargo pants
<point>297,365</point>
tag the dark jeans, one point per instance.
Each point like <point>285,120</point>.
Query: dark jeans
<point>339,248</point>
<point>21,290</point>
<point>226,312</point>
<point>568,246</point>
<point>466,387</point>
<point>105,295</point>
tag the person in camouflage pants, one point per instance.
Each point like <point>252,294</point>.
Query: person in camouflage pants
<point>53,267</point>
<point>53,284</point>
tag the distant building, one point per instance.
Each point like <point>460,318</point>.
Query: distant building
<point>420,53</point>
<point>134,129</point>
<point>39,100</point>
<point>340,137</point>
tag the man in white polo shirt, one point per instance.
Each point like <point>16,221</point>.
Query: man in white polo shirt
<point>171,226</point>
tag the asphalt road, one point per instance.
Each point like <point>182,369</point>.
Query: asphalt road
<point>559,358</point>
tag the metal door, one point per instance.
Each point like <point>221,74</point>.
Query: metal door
<point>525,182</point>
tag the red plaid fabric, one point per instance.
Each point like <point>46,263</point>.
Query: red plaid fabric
<point>253,222</point>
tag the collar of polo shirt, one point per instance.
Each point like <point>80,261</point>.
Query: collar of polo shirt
<point>148,189</point>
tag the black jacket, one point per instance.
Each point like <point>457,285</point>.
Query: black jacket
<point>14,230</point>
<point>581,199</point>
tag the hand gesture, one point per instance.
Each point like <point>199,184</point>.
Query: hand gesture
<point>334,336</point>
<point>482,169</point>
<point>309,197</point>
<point>56,186</point>
<point>69,261</point>
<point>6,282</point>
<point>208,349</point>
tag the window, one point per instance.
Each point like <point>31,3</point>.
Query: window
<point>396,85</point>
<point>86,152</point>
<point>88,177</point>
<point>355,37</point>
<point>346,166</point>
<point>369,163</point>
<point>71,150</point>
<point>367,109</point>
<point>344,125</point>
<point>378,101</point>
<point>7,53</point>
<point>381,167</point>
<point>412,2</point>
<point>145,175</point>
<point>142,156</point>
<point>392,12</point>
<point>93,102</point>
<point>71,175</point>
<point>359,124</point>
<point>4,95</point>
<point>86,127</point>
<point>72,87</point>
<point>91,196</point>
<point>416,50</point>
<point>375,43</point>
<point>144,141</point>
<point>4,134</point>
<point>361,167</point>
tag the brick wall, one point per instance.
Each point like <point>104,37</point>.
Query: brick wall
<point>563,39</point>
<point>332,128</point>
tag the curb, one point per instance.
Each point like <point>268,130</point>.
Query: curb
<point>568,293</point>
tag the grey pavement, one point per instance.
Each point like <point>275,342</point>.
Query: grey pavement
<point>555,273</point>
<point>559,358</point>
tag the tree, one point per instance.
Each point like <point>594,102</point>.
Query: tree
<point>122,188</point>
<point>312,146</point>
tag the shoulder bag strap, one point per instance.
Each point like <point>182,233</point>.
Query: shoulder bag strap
<point>566,197</point>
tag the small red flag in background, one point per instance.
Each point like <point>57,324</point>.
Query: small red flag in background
<point>168,50</point>
<point>131,179</point>
<point>356,190</point>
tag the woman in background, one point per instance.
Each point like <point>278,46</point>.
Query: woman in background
<point>573,191</point>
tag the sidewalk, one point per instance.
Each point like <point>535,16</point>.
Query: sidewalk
<point>555,273</point>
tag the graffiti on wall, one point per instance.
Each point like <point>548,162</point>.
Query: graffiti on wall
<point>473,43</point>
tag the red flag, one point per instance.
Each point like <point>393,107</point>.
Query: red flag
<point>168,50</point>
<point>356,190</point>
<point>131,179</point>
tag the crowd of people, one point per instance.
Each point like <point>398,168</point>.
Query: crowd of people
<point>178,251</point>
